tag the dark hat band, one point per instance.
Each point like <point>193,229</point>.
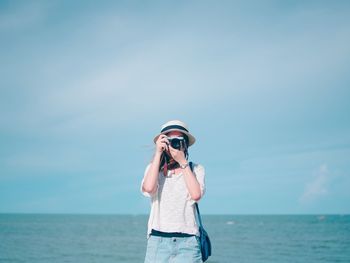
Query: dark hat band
<point>173,127</point>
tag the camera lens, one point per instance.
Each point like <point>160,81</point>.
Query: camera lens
<point>176,143</point>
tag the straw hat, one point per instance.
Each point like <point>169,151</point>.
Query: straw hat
<point>176,125</point>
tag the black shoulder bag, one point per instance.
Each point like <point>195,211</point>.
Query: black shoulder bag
<point>204,237</point>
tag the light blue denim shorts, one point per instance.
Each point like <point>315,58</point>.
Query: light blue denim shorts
<point>173,249</point>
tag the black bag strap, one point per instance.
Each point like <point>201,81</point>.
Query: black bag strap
<point>197,208</point>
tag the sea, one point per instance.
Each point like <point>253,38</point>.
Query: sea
<point>86,238</point>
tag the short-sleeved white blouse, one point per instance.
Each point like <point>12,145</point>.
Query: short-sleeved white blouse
<point>172,208</point>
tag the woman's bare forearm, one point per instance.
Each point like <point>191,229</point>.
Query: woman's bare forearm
<point>192,184</point>
<point>151,178</point>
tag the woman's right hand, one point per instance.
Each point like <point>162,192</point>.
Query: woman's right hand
<point>162,143</point>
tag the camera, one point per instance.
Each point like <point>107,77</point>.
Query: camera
<point>177,142</point>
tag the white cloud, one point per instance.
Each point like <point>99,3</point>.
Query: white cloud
<point>318,187</point>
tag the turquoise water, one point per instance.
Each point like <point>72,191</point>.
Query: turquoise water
<point>122,238</point>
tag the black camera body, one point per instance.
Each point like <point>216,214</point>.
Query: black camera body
<point>177,142</point>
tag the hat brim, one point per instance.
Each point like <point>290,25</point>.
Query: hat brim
<point>191,138</point>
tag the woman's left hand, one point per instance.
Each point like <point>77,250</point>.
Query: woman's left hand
<point>178,155</point>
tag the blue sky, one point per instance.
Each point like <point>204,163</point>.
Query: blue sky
<point>263,85</point>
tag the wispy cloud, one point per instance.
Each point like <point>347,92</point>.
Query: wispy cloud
<point>318,187</point>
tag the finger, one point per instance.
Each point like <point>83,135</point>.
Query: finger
<point>172,149</point>
<point>164,145</point>
<point>161,142</point>
<point>167,147</point>
<point>164,136</point>
<point>165,140</point>
<point>160,137</point>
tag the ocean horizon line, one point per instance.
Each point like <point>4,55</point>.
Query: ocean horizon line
<point>205,214</point>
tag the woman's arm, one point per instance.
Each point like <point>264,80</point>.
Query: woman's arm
<point>192,183</point>
<point>151,178</point>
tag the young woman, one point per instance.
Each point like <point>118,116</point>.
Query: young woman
<point>172,234</point>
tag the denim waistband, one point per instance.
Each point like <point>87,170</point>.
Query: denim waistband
<point>169,234</point>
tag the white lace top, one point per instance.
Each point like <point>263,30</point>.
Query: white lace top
<point>172,208</point>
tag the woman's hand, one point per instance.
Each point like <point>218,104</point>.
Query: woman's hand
<point>178,155</point>
<point>162,143</point>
